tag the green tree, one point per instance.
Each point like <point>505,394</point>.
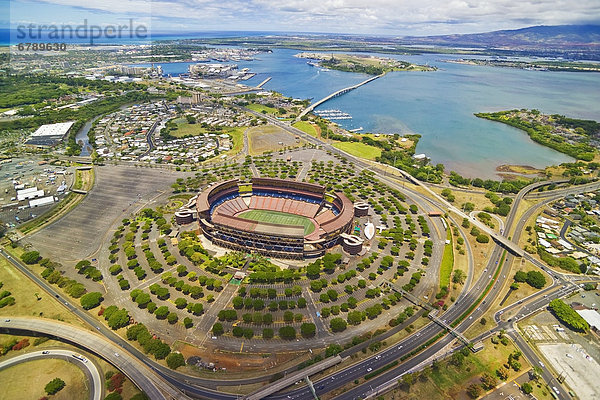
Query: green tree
<point>91,300</point>
<point>520,276</point>
<point>54,386</point>
<point>337,324</point>
<point>308,329</point>
<point>527,388</point>
<point>175,360</point>
<point>459,276</point>
<point>30,257</point>
<point>118,319</point>
<point>161,312</point>
<point>474,390</point>
<point>536,279</point>
<point>217,329</point>
<point>267,333</point>
<point>172,318</point>
<point>287,332</point>
<point>568,316</point>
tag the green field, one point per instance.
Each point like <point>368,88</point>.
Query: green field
<point>447,262</point>
<point>306,127</point>
<point>260,108</point>
<point>184,129</point>
<point>359,149</point>
<point>279,218</point>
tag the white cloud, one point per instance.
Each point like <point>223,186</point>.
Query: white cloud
<point>399,17</point>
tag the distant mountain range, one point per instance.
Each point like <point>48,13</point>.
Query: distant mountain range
<point>585,38</point>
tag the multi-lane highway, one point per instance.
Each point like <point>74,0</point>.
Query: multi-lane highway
<point>460,307</point>
<point>159,382</point>
<point>89,368</point>
<point>130,366</point>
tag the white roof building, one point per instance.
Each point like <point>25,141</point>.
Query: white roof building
<point>30,195</point>
<point>592,317</point>
<point>544,243</point>
<point>59,129</point>
<point>50,134</point>
<point>41,202</point>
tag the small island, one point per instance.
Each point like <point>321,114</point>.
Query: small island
<point>366,64</point>
<point>541,65</point>
<point>577,138</point>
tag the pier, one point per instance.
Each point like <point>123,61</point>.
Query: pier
<point>260,85</point>
<point>336,94</point>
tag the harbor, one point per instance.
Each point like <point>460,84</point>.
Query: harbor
<point>332,114</point>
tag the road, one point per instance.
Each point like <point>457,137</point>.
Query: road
<point>164,377</point>
<point>89,368</point>
<point>141,375</point>
<point>473,215</point>
<point>454,312</point>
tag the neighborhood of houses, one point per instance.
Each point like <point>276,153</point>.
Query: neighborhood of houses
<point>571,227</point>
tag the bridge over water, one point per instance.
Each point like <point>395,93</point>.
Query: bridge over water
<point>335,94</point>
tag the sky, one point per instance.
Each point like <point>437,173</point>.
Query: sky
<point>385,17</point>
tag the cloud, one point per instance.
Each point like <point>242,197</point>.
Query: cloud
<point>397,17</point>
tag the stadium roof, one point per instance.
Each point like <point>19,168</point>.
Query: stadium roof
<point>346,214</point>
<point>202,202</point>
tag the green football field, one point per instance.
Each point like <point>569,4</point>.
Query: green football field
<point>279,218</point>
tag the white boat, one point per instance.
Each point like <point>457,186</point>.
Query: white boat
<point>369,230</point>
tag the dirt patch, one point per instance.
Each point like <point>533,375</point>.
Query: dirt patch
<point>239,362</point>
<point>269,138</point>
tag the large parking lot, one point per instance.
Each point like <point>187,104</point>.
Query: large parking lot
<point>118,192</point>
<point>581,371</point>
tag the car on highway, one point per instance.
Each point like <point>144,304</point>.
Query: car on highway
<point>369,369</point>
<point>45,352</point>
<point>542,364</point>
<point>555,389</point>
<point>7,320</point>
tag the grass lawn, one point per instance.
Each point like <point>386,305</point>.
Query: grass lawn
<point>186,129</point>
<point>237,135</point>
<point>279,218</point>
<point>84,179</point>
<point>359,149</point>
<point>27,380</point>
<point>450,381</point>
<point>306,127</point>
<point>260,108</point>
<point>447,261</point>
<point>26,302</point>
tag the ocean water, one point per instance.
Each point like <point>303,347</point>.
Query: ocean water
<point>439,105</point>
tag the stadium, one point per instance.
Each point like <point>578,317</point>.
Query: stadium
<point>274,217</point>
